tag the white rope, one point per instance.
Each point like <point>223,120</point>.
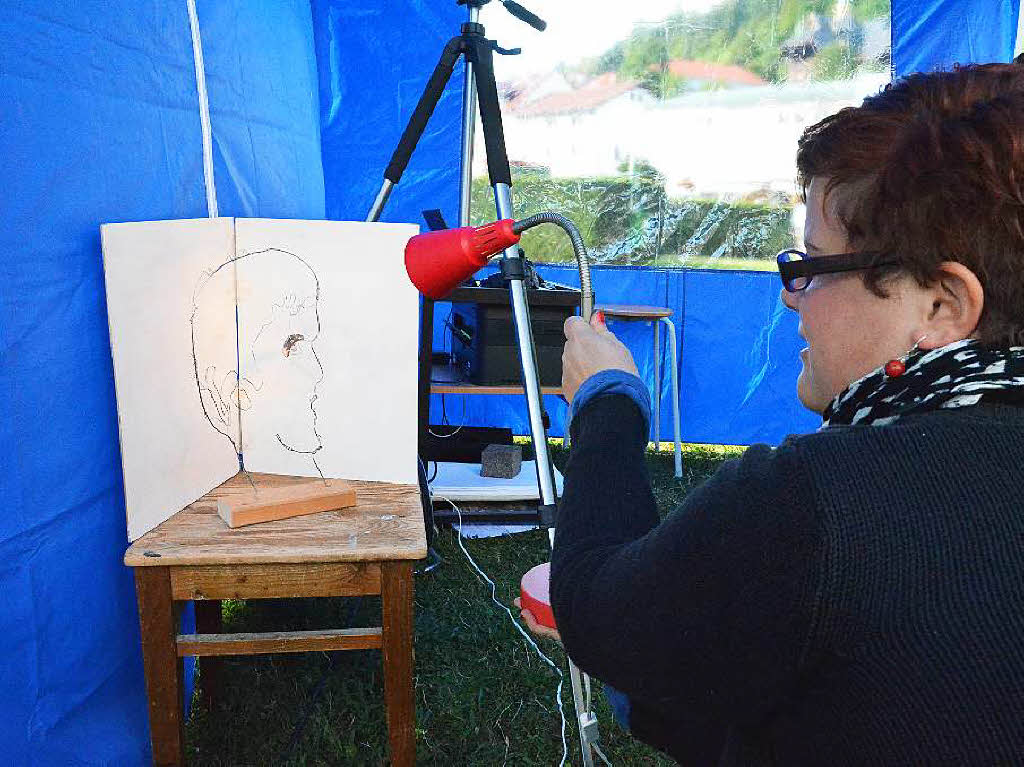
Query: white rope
<point>204,110</point>
<point>519,628</point>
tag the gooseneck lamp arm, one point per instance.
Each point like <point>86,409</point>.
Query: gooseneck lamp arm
<point>578,248</point>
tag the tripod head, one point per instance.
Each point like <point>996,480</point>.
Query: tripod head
<point>512,7</point>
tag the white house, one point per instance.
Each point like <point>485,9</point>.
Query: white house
<point>736,141</point>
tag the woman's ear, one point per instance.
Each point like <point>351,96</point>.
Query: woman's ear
<point>957,300</point>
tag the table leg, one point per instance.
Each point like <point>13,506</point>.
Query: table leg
<point>209,620</point>
<point>656,398</point>
<point>675,397</point>
<point>396,630</point>
<point>163,668</point>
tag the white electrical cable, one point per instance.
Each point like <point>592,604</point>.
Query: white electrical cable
<point>519,628</point>
<point>457,429</point>
<point>204,110</point>
<point>451,336</point>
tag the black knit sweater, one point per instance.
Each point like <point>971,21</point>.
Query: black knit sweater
<point>854,596</point>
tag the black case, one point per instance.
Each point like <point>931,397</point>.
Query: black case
<point>491,356</point>
<point>483,339</point>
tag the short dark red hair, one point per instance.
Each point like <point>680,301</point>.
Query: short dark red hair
<point>931,169</point>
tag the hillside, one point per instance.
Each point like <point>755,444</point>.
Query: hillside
<point>749,34</point>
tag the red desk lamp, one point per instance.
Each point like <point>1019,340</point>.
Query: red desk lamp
<point>438,261</point>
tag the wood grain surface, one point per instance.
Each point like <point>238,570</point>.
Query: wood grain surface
<point>275,580</point>
<point>163,669</point>
<point>397,650</point>
<point>385,524</point>
<point>279,641</point>
<point>268,504</point>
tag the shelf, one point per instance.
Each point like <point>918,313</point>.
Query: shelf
<point>443,380</point>
<point>442,388</point>
<point>500,296</point>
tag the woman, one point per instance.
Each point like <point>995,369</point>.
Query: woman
<point>855,595</point>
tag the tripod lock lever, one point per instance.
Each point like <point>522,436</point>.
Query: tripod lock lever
<point>522,14</point>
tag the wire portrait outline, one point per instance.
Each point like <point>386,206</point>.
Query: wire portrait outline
<point>224,394</point>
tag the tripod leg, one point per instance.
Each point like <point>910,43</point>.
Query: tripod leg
<point>531,382</point>
<point>585,721</point>
<point>478,51</point>
<point>418,122</point>
<point>468,133</point>
<point>425,108</point>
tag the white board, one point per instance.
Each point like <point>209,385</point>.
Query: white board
<point>462,482</point>
<point>172,450</point>
<point>328,328</point>
<point>292,343</point>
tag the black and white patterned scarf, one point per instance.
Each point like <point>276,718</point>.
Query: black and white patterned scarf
<point>958,375</point>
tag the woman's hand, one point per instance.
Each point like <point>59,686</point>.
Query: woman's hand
<point>535,628</point>
<point>589,349</point>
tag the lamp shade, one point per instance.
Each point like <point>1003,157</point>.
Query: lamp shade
<point>438,261</point>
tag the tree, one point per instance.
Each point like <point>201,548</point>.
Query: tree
<point>748,33</point>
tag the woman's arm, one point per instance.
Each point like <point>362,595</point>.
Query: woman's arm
<point>705,614</point>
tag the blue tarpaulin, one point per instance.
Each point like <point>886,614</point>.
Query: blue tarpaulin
<point>101,123</point>
<point>737,345</point>
<point>374,63</point>
<point>936,34</point>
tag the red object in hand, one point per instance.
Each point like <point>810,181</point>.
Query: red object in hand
<point>895,368</point>
<point>534,594</point>
<point>438,261</point>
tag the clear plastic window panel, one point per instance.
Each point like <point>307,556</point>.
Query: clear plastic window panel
<point>666,130</point>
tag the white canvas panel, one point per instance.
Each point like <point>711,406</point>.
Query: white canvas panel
<point>172,336</point>
<point>328,326</point>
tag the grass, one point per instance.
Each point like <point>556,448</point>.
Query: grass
<point>483,697</point>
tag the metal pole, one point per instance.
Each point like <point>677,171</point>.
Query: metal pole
<point>675,396</point>
<point>527,354</point>
<point>656,398</point>
<point>468,131</point>
<point>382,198</point>
<point>585,721</point>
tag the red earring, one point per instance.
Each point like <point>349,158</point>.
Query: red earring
<point>896,367</point>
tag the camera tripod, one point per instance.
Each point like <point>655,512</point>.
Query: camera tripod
<point>479,84</point>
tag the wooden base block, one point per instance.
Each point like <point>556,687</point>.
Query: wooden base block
<point>264,505</point>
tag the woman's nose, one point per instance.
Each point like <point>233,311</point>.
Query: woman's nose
<point>788,298</point>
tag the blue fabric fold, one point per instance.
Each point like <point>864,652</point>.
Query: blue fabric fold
<point>613,382</point>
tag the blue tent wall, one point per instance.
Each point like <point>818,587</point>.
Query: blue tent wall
<point>374,63</point>
<point>738,359</point>
<point>935,34</point>
<point>101,123</point>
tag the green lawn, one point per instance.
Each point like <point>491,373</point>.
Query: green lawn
<point>483,697</point>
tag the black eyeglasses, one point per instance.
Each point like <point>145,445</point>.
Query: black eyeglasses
<point>797,269</point>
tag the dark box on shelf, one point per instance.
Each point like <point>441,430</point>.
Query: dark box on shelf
<point>484,335</point>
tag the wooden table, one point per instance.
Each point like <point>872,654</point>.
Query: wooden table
<point>364,550</point>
